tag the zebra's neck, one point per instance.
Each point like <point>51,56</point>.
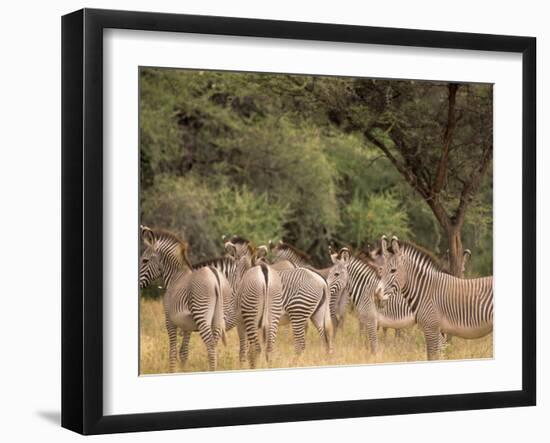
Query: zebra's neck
<point>292,257</point>
<point>420,273</point>
<point>226,265</point>
<point>362,280</point>
<point>243,264</point>
<point>172,270</point>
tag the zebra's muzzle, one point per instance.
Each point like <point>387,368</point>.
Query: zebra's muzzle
<point>380,293</point>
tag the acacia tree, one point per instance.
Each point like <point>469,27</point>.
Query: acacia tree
<point>437,135</point>
<point>439,138</point>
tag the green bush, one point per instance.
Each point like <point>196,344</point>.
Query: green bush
<point>369,218</point>
<point>202,214</point>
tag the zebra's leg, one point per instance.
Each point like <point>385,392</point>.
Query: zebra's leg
<point>172,343</point>
<point>251,333</point>
<point>254,347</point>
<point>172,331</point>
<point>271,336</point>
<point>335,325</point>
<point>433,342</point>
<point>184,349</point>
<point>298,325</point>
<point>242,342</point>
<point>384,333</point>
<point>372,328</point>
<point>205,332</point>
<point>362,328</point>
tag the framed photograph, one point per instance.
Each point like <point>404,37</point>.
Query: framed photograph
<point>269,221</point>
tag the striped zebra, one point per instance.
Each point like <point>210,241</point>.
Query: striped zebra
<point>439,301</point>
<point>306,297</point>
<point>260,304</point>
<point>227,266</point>
<point>372,311</point>
<point>287,256</point>
<point>193,300</point>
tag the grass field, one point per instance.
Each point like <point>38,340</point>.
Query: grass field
<point>349,349</point>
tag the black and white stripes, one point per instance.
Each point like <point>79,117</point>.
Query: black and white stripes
<point>440,302</point>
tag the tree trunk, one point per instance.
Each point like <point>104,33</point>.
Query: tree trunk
<point>456,251</point>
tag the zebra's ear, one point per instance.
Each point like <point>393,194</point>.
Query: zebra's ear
<point>333,255</point>
<point>270,245</point>
<point>395,245</point>
<point>467,255</point>
<point>231,249</point>
<point>147,235</point>
<point>261,251</point>
<point>344,255</point>
<point>384,245</point>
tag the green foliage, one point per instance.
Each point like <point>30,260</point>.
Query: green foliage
<point>242,212</point>
<point>370,218</point>
<point>271,156</point>
<point>201,214</point>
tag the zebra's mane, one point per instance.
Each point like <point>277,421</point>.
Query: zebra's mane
<point>161,234</point>
<point>213,261</point>
<point>424,254</point>
<point>301,254</point>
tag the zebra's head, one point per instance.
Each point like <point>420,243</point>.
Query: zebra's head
<point>242,251</point>
<point>337,281</point>
<point>391,269</point>
<point>237,247</point>
<point>149,262</point>
<point>260,255</point>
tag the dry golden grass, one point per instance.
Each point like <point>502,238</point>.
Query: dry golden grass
<point>349,348</point>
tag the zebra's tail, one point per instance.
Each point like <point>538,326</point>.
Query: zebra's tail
<point>218,321</point>
<point>266,313</point>
<point>327,323</point>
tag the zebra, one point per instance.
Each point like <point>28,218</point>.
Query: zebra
<point>227,266</point>
<point>260,304</point>
<point>440,302</point>
<point>305,296</point>
<point>337,277</point>
<point>372,310</point>
<point>193,299</point>
<point>290,257</point>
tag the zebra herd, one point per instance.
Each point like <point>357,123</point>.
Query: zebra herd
<point>393,285</point>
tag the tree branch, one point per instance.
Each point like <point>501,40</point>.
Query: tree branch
<point>409,176</point>
<point>441,172</point>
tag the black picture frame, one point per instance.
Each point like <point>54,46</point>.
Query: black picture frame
<point>82,220</point>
